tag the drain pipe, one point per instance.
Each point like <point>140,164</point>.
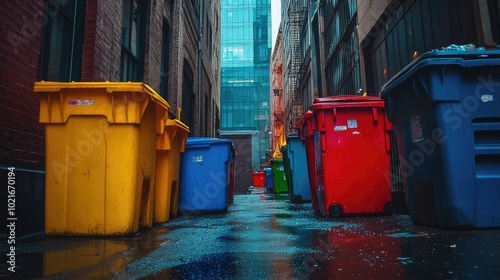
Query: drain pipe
<point>200,60</point>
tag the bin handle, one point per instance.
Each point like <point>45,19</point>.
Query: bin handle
<point>375,114</point>
<point>323,142</point>
<point>334,115</point>
<point>418,84</point>
<point>388,141</point>
<point>388,131</point>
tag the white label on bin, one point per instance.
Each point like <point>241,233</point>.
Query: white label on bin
<point>340,128</point>
<point>352,124</point>
<point>487,98</point>
<point>416,129</point>
<point>197,158</point>
<point>81,102</point>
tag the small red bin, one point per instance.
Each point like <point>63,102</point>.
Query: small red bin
<point>259,179</point>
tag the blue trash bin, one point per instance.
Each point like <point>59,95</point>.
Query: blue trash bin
<point>445,108</point>
<point>269,179</point>
<point>204,175</point>
<point>299,189</point>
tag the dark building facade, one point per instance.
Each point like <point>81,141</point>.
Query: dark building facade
<point>357,46</point>
<point>341,64</point>
<point>392,34</point>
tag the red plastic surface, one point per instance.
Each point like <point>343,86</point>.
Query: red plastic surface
<point>259,179</point>
<point>353,146</point>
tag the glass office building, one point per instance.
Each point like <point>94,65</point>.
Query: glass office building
<point>245,55</point>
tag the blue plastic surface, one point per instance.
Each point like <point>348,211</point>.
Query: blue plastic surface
<point>299,189</point>
<point>445,108</point>
<point>204,175</point>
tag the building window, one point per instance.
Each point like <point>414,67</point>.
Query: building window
<point>165,60</point>
<point>132,41</point>
<point>63,37</point>
<point>188,97</point>
<point>494,13</point>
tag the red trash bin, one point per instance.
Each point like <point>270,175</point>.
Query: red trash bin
<point>305,128</point>
<point>352,153</point>
<point>259,179</point>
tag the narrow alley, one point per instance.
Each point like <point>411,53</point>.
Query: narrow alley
<point>265,236</point>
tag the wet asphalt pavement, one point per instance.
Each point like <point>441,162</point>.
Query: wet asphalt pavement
<point>267,237</point>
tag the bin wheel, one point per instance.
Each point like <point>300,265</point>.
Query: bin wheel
<point>335,210</point>
<point>297,198</point>
<point>389,208</point>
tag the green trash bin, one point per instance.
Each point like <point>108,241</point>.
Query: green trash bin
<point>279,177</point>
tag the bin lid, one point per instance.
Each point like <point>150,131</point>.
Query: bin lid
<point>191,141</point>
<point>307,115</point>
<point>177,123</point>
<point>465,59</point>
<point>48,86</point>
<point>293,136</point>
<point>347,101</point>
<point>305,131</point>
<point>276,160</point>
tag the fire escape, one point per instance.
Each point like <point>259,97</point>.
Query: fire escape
<point>293,75</point>
<point>278,117</point>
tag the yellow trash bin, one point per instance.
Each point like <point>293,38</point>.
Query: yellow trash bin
<point>100,155</point>
<point>169,146</point>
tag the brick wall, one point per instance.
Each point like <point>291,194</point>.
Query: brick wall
<point>22,141</point>
<point>102,43</point>
<point>183,48</point>
<point>152,55</point>
<point>211,62</point>
<point>21,136</point>
<point>175,56</point>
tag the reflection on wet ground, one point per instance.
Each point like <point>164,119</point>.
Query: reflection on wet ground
<point>266,238</point>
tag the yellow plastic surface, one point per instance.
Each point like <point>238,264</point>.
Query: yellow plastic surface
<point>100,155</point>
<point>169,146</point>
<point>84,254</point>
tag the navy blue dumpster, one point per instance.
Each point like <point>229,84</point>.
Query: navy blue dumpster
<point>205,175</point>
<point>269,179</point>
<point>298,183</point>
<point>445,108</point>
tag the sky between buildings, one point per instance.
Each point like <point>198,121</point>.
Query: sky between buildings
<point>275,19</point>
